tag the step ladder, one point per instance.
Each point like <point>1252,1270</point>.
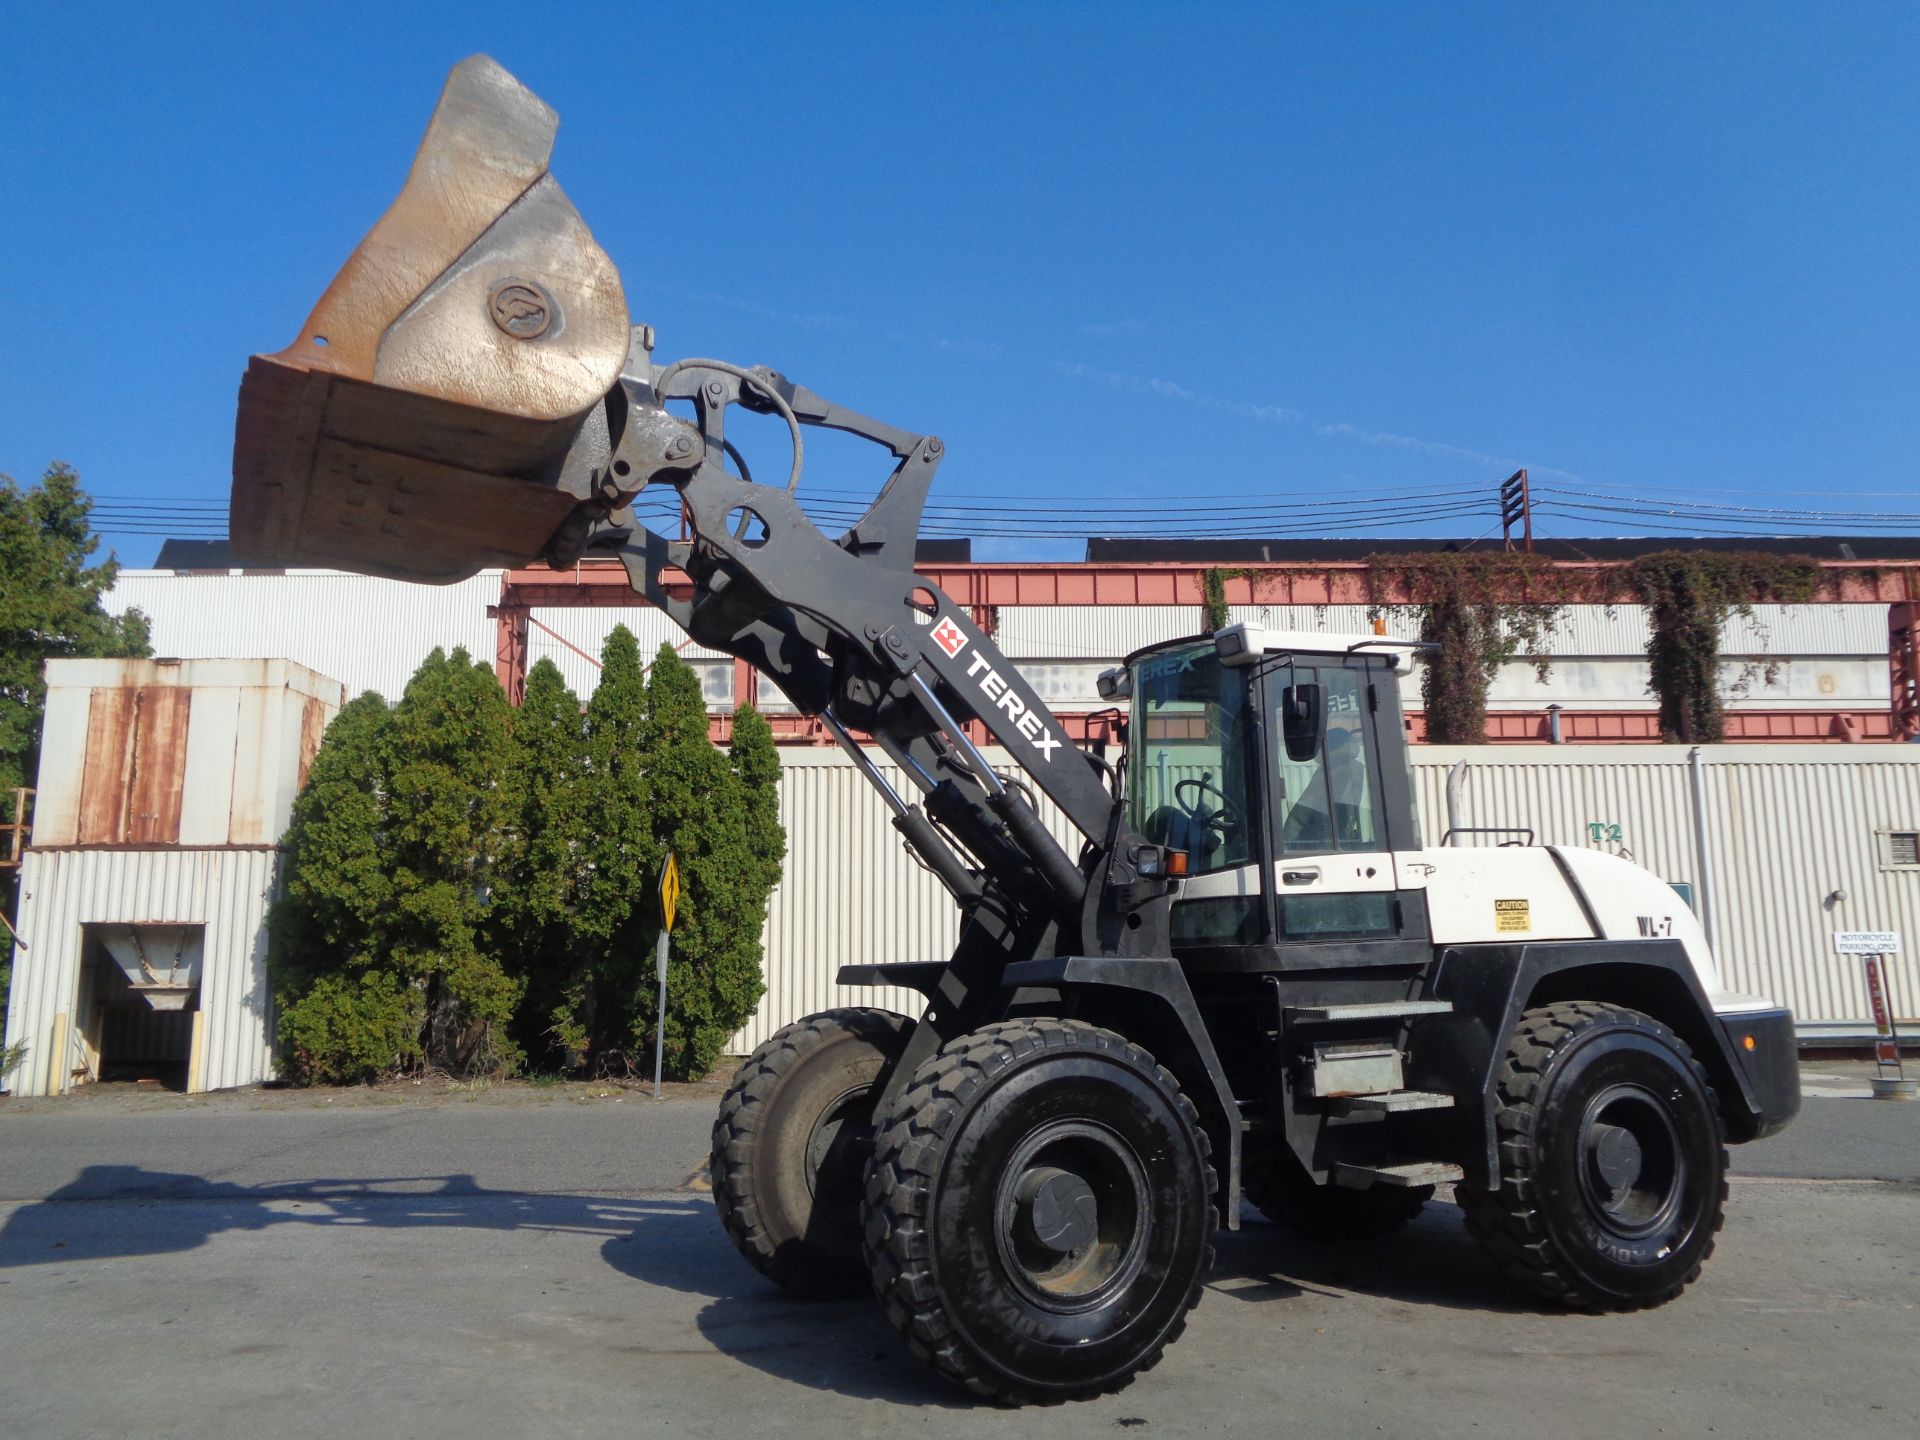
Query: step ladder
<point>1405,1173</point>
<point>1369,1010</point>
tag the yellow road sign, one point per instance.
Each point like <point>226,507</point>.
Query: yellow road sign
<point>669,890</point>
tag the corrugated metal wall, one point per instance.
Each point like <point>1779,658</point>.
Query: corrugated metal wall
<point>370,634</point>
<point>62,891</point>
<point>851,895</point>
<point>1788,826</point>
<point>1104,631</point>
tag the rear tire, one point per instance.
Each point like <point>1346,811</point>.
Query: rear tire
<point>1282,1191</point>
<point>790,1148</point>
<point>1039,1213</point>
<point>1612,1162</point>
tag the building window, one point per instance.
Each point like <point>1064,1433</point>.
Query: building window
<point>1902,849</point>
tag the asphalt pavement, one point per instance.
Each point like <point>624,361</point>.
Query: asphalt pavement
<point>392,1268</point>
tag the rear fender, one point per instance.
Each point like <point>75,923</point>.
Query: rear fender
<point>1492,986</point>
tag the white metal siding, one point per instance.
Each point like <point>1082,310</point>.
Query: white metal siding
<point>1110,631</point>
<point>372,634</point>
<point>1789,825</point>
<point>226,890</point>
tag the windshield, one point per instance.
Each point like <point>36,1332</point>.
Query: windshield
<point>1187,758</point>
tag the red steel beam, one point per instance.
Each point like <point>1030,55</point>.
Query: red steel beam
<point>984,587</point>
<point>1342,582</point>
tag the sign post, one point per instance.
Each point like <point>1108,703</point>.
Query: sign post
<point>669,902</point>
<point>1873,947</point>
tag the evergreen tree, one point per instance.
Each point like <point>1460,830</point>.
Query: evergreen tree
<point>756,761</point>
<point>700,813</point>
<point>343,1016</point>
<point>50,607</point>
<point>594,1018</point>
<point>555,810</point>
<point>450,817</point>
<point>384,948</point>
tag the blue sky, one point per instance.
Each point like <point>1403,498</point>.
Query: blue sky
<point>1116,255</point>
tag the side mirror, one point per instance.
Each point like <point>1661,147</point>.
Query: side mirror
<point>1303,720</point>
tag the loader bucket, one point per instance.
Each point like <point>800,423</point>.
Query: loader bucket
<point>416,427</point>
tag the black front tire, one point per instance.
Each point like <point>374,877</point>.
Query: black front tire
<point>790,1148</point>
<point>1039,1214</point>
<point>1274,1181</point>
<point>1612,1160</point>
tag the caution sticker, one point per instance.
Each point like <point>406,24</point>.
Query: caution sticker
<point>1512,915</point>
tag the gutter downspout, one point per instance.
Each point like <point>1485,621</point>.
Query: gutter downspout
<point>1702,850</point>
<point>1456,784</point>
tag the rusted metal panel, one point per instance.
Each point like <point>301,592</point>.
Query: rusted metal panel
<point>313,725</point>
<point>187,752</point>
<point>157,784</point>
<point>133,783</point>
<point>136,765</point>
<point>109,753</point>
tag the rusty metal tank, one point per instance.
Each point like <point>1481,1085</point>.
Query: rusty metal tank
<point>420,426</point>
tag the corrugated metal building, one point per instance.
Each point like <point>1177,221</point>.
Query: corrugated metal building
<point>374,633</point>
<point>1786,828</point>
<point>164,789</point>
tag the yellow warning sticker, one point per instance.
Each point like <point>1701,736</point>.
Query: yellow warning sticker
<point>1512,915</point>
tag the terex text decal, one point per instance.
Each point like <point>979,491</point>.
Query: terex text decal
<point>980,670</point>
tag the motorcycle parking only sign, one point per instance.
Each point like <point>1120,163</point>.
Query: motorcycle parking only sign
<point>1866,942</point>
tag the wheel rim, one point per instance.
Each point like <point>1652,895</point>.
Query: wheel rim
<point>1632,1167</point>
<point>1072,1216</point>
<point>836,1153</point>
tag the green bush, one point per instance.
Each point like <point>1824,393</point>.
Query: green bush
<point>554,815</point>
<point>391,858</point>
<point>352,1029</point>
<point>467,886</point>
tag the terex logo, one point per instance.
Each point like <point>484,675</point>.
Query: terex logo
<point>980,670</point>
<point>948,637</point>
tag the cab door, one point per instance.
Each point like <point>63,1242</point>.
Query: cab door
<point>1336,819</point>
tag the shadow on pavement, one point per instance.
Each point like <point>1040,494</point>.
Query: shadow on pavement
<point>673,1242</point>
<point>1431,1262</point>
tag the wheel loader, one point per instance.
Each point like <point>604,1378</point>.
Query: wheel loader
<point>1246,977</point>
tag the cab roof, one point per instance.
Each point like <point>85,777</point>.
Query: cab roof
<point>1251,639</point>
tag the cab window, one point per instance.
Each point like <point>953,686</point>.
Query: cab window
<point>1187,776</point>
<point>1328,803</point>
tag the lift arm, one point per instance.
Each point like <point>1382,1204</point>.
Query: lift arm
<point>850,633</point>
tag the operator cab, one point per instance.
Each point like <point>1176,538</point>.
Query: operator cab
<point>1277,761</point>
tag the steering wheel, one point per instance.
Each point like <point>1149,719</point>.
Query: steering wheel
<point>1219,820</point>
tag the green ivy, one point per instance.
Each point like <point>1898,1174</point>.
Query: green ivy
<point>1480,608</point>
<point>1689,594</point>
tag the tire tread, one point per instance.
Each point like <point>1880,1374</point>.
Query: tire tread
<point>1507,1221</point>
<point>906,1156</point>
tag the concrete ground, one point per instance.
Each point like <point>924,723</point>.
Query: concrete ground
<point>517,1263</point>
